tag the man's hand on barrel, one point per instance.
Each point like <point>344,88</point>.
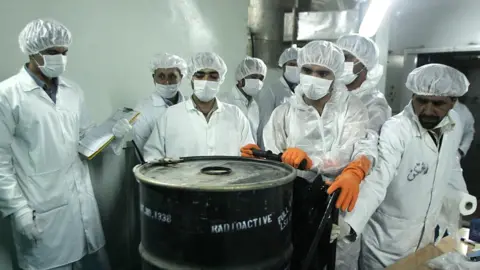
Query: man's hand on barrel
<point>246,151</point>
<point>349,183</point>
<point>295,156</point>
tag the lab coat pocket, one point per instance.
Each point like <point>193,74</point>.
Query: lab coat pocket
<point>48,191</point>
<point>46,220</point>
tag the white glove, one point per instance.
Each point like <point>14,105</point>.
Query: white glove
<point>122,128</point>
<point>25,224</point>
<point>123,132</point>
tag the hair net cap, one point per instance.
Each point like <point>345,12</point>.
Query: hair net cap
<point>437,80</point>
<point>363,48</point>
<point>322,53</point>
<point>250,66</point>
<point>288,55</point>
<point>207,60</point>
<point>42,34</point>
<point>166,60</point>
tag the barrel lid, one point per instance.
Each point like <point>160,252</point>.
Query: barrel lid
<point>217,173</point>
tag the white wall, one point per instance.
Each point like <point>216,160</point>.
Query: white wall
<point>427,24</point>
<point>113,41</point>
<point>434,24</point>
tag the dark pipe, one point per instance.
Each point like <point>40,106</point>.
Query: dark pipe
<point>271,156</point>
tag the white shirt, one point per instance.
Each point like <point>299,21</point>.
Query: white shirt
<point>41,170</point>
<point>249,108</point>
<point>184,131</point>
<point>468,126</point>
<point>150,110</point>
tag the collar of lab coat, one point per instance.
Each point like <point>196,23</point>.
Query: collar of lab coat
<point>447,124</point>
<point>190,105</point>
<point>27,83</point>
<point>159,101</point>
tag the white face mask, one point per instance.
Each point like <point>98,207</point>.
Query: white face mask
<point>314,88</point>
<point>348,76</point>
<point>205,90</point>
<point>252,86</point>
<point>53,65</point>
<point>292,74</point>
<point>166,91</point>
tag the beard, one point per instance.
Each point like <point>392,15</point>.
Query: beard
<point>428,121</point>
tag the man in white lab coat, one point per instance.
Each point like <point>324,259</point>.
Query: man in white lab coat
<point>202,125</point>
<point>322,123</point>
<point>167,72</point>
<point>275,94</point>
<point>468,125</point>
<point>362,75</point>
<point>362,72</point>
<point>250,74</point>
<point>400,201</point>
<point>45,186</point>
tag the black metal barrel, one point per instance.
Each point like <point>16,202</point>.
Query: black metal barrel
<point>216,213</point>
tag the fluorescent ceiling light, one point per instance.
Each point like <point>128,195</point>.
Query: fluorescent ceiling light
<point>374,16</point>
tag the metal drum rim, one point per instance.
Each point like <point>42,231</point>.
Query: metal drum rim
<point>244,187</point>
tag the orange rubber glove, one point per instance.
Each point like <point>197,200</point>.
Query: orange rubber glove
<point>246,151</point>
<point>349,183</point>
<point>294,156</point>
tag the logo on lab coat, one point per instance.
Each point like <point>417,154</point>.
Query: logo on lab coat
<point>420,168</point>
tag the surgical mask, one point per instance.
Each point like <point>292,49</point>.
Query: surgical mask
<point>205,90</point>
<point>314,88</point>
<point>252,86</point>
<point>166,90</point>
<point>348,76</point>
<point>53,65</point>
<point>292,74</point>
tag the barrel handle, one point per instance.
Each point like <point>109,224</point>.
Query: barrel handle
<point>216,170</point>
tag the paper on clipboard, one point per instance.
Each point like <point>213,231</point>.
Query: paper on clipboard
<point>99,137</point>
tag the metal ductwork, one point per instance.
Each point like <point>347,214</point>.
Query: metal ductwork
<point>277,24</point>
<point>328,25</point>
<point>265,21</point>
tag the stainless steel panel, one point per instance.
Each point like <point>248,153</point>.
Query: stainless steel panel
<point>265,21</point>
<point>322,25</point>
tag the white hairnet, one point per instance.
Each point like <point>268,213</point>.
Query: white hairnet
<point>437,80</point>
<point>288,55</point>
<point>166,60</point>
<point>42,34</point>
<point>363,48</point>
<point>250,66</point>
<point>208,60</point>
<point>322,53</point>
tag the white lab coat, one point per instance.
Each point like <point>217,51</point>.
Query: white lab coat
<point>150,110</point>
<point>399,202</point>
<point>249,109</point>
<point>378,109</point>
<point>468,125</point>
<point>328,139</point>
<point>268,99</point>
<point>41,170</point>
<point>184,131</point>
<point>378,112</point>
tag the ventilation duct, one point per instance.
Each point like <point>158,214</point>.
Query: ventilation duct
<point>265,21</point>
<point>274,23</point>
<point>322,25</point>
